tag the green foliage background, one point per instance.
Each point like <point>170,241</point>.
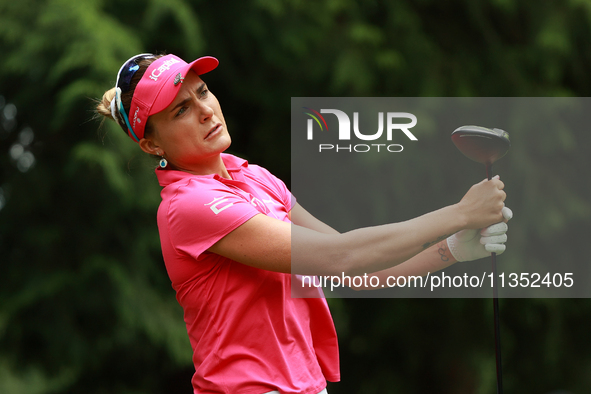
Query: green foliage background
<point>85,303</point>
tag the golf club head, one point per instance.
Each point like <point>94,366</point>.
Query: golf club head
<point>481,144</point>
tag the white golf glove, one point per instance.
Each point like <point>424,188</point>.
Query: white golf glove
<point>468,245</point>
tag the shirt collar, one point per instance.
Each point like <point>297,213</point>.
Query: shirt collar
<point>233,164</point>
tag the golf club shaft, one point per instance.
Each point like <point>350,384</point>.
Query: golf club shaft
<point>496,309</point>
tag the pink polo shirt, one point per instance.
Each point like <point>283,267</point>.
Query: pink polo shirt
<point>248,335</point>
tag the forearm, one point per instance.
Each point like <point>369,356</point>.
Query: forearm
<point>299,216</point>
<point>371,249</point>
<point>433,259</point>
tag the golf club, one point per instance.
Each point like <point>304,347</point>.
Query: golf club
<point>486,146</point>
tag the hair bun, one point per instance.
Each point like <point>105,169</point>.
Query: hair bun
<point>104,106</point>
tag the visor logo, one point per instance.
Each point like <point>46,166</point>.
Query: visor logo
<point>164,67</point>
<point>135,118</point>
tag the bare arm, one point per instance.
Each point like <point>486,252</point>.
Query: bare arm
<point>299,216</point>
<point>371,249</point>
<point>433,259</point>
<point>270,244</point>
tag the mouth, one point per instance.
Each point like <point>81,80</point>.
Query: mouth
<point>214,130</point>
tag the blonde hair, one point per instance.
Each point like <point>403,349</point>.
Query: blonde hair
<point>103,106</point>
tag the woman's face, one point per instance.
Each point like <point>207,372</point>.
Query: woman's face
<point>191,131</point>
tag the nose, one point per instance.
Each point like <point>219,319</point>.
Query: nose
<point>205,111</point>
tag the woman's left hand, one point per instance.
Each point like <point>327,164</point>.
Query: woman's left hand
<point>468,245</point>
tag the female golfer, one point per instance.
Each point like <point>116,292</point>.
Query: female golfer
<point>226,229</point>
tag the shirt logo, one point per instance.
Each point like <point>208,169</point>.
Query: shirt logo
<point>258,204</point>
<point>215,205</point>
<point>271,201</point>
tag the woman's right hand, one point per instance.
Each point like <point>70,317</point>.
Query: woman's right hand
<point>482,205</point>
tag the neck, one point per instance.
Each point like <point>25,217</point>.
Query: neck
<point>213,165</point>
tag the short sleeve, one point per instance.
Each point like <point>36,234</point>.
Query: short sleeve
<point>282,192</point>
<point>199,215</point>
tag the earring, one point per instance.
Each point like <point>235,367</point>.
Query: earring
<point>163,163</point>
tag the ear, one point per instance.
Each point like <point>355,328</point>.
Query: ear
<point>148,145</point>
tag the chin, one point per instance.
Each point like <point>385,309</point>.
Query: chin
<point>227,143</point>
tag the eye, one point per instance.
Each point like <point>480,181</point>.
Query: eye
<point>180,111</point>
<point>203,93</point>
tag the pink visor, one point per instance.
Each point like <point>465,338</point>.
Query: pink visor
<point>159,86</point>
